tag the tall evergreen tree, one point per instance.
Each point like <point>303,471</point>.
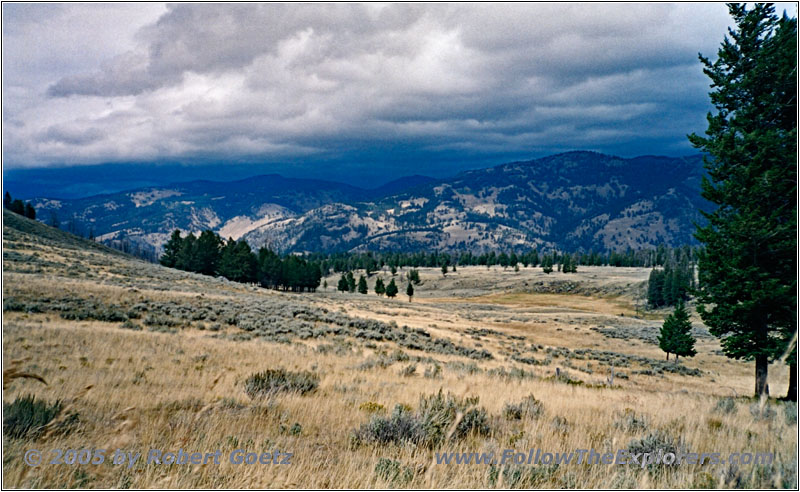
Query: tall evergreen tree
<point>391,289</point>
<point>410,291</point>
<point>351,282</point>
<point>547,264</point>
<point>362,285</point>
<point>380,289</point>
<point>676,334</point>
<point>17,206</point>
<point>208,252</point>
<point>342,286</point>
<point>172,249</point>
<point>7,200</point>
<point>748,273</point>
<point>30,212</point>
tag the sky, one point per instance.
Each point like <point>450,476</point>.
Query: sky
<point>359,92</point>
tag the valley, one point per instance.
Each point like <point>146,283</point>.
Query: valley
<point>142,356</point>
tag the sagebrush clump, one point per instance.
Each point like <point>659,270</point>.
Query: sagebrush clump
<point>439,417</point>
<point>273,381</point>
<point>26,417</point>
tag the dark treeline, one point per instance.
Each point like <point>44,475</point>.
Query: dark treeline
<point>372,261</point>
<point>671,285</point>
<point>209,254</point>
<point>19,207</point>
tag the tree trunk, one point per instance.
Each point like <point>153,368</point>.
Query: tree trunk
<point>791,395</point>
<point>762,368</point>
<point>667,355</point>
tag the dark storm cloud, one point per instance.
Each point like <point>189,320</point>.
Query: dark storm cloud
<point>344,81</point>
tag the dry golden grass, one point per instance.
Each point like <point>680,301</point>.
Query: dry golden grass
<point>137,390</point>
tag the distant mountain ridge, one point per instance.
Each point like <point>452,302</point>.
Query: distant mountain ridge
<point>574,200</point>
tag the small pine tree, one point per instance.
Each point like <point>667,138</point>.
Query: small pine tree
<point>351,282</point>
<point>444,269</point>
<point>547,265</point>
<point>410,291</point>
<point>362,285</point>
<point>7,200</point>
<point>342,286</point>
<point>325,284</point>
<point>676,334</point>
<point>380,289</point>
<point>393,269</point>
<point>391,289</point>
<point>684,340</point>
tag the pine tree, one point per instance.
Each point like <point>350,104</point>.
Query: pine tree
<point>342,286</point>
<point>362,285</point>
<point>17,206</point>
<point>654,288</point>
<point>547,264</point>
<point>747,273</point>
<point>7,200</point>
<point>172,249</point>
<point>391,289</point>
<point>444,269</point>
<point>351,282</point>
<point>380,289</point>
<point>186,257</point>
<point>676,334</point>
<point>410,291</point>
<point>30,212</point>
<point>684,340</point>
<point>208,252</point>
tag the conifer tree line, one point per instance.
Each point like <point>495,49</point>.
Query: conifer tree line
<point>672,284</point>
<point>341,262</point>
<point>209,254</point>
<point>17,206</point>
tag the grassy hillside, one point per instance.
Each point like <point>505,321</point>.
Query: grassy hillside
<point>143,357</point>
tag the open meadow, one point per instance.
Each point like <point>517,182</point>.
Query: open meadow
<point>481,360</point>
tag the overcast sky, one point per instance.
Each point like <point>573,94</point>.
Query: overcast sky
<point>405,86</point>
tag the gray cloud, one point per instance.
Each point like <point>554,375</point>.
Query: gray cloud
<point>272,81</point>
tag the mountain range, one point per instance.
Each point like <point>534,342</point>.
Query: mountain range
<point>575,200</point>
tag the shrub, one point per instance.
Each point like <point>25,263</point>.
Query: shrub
<point>438,412</point>
<point>653,443</point>
<point>399,428</point>
<point>130,325</point>
<point>790,412</point>
<point>393,471</point>
<point>430,425</point>
<point>26,417</point>
<point>628,421</point>
<point>560,424</point>
<point>529,407</point>
<point>280,380</point>
<point>725,405</point>
<point>409,370</point>
<point>761,412</point>
<point>522,477</point>
<point>371,407</point>
<point>433,372</point>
